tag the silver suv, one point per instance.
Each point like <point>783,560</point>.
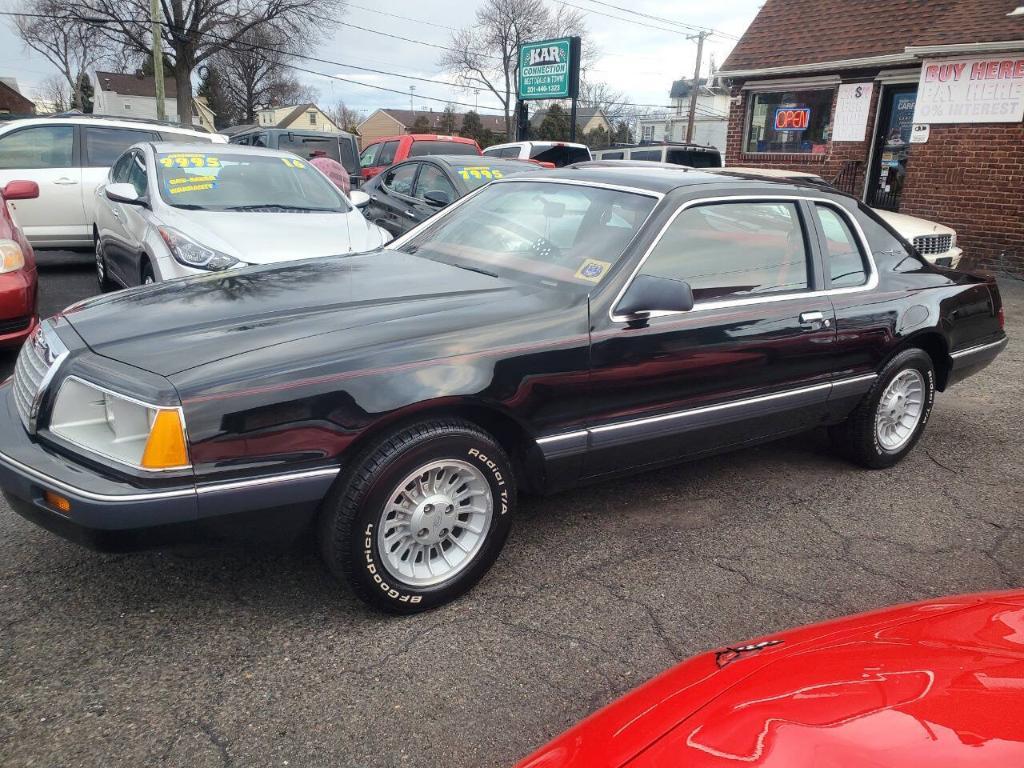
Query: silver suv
<point>68,157</point>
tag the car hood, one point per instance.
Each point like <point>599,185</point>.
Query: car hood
<point>180,324</point>
<point>911,226</point>
<point>913,685</point>
<point>271,238</point>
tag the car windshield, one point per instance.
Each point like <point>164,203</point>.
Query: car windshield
<point>560,235</point>
<point>229,181</point>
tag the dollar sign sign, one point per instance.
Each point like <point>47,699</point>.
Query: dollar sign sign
<point>859,92</point>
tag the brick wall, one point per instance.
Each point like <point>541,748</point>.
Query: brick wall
<point>827,165</point>
<point>969,177</point>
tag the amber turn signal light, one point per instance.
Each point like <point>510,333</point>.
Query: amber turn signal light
<point>57,502</point>
<point>165,448</point>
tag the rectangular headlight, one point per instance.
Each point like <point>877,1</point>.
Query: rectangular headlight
<point>119,427</point>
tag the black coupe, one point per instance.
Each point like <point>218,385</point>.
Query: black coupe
<point>551,328</point>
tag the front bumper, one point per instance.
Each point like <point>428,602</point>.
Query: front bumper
<point>949,259</point>
<point>18,307</point>
<point>118,514</point>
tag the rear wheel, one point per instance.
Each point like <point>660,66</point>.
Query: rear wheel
<point>890,420</point>
<point>421,516</point>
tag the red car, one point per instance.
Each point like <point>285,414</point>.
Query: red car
<point>394,149</point>
<point>937,684</point>
<point>18,286</point>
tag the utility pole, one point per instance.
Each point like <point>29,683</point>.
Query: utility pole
<point>701,36</point>
<point>158,59</point>
<point>412,95</point>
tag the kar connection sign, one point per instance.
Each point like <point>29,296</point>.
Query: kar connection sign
<point>549,69</point>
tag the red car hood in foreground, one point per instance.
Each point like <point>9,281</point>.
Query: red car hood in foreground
<point>936,684</point>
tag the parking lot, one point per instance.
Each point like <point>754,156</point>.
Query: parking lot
<point>245,657</point>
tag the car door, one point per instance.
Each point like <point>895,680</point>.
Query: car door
<point>107,213</point>
<point>101,146</point>
<point>431,178</point>
<point>394,202</point>
<point>753,359</point>
<point>47,155</point>
<point>128,225</point>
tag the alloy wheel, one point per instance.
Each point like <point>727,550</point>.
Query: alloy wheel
<point>900,409</point>
<point>435,522</point>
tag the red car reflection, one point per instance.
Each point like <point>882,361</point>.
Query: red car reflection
<point>18,286</point>
<point>937,684</point>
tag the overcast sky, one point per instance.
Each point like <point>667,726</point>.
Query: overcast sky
<point>640,61</point>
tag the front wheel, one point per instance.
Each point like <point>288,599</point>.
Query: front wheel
<point>891,419</point>
<point>421,516</point>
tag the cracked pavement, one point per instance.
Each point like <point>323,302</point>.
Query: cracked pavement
<point>250,657</point>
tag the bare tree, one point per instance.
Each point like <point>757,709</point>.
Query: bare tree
<point>55,93</point>
<point>345,117</point>
<point>195,30</point>
<point>253,70</point>
<point>73,47</point>
<point>485,55</point>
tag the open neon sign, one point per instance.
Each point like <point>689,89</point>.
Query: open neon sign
<point>792,118</point>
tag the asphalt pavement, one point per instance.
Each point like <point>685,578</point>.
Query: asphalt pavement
<point>227,656</point>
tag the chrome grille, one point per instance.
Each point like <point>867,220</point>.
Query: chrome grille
<point>38,360</point>
<point>932,244</point>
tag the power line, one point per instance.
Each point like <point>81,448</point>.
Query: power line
<point>623,18</point>
<point>694,27</point>
<point>404,18</point>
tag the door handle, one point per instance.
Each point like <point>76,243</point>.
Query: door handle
<point>811,318</point>
<point>410,214</point>
<point>64,181</point>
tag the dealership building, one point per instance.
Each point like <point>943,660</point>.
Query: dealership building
<point>912,106</point>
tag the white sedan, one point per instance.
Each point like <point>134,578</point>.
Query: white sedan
<point>173,210</point>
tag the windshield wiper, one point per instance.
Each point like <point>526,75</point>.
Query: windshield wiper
<point>190,206</point>
<point>265,206</point>
<point>479,270</point>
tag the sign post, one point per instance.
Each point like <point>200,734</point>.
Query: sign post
<point>550,69</point>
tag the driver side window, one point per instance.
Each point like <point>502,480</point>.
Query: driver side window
<point>734,250</point>
<point>119,173</point>
<point>137,176</point>
<point>400,178</point>
<point>432,179</point>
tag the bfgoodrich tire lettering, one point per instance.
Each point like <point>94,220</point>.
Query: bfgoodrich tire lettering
<point>858,437</point>
<point>454,455</point>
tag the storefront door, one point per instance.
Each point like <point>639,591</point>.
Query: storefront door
<point>892,147</point>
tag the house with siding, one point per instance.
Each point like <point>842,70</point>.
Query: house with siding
<point>117,94</point>
<point>308,117</point>
<point>396,122</point>
<point>916,107</point>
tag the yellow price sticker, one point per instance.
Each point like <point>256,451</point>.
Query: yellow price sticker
<point>293,163</point>
<point>479,172</point>
<point>189,161</point>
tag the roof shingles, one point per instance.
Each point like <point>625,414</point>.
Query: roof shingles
<point>797,32</point>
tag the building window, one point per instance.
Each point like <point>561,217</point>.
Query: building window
<point>127,107</point>
<point>794,122</point>
<point>648,134</point>
<point>312,118</point>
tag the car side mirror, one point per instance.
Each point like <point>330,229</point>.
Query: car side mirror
<point>438,198</point>
<point>359,198</point>
<point>20,190</point>
<point>649,293</point>
<point>123,193</point>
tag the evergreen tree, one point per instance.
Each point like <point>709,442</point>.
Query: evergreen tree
<point>555,126</point>
<point>472,128</point>
<point>421,125</point>
<point>85,89</point>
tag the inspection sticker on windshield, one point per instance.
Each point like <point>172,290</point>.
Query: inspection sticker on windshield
<point>293,163</point>
<point>479,172</point>
<point>592,270</point>
<point>188,160</point>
